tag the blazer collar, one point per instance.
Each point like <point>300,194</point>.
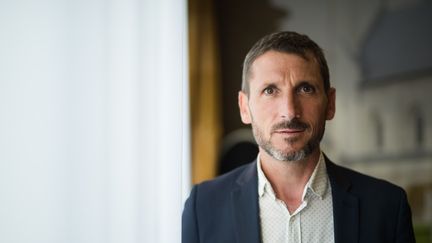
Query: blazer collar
<point>245,206</point>
<point>345,205</point>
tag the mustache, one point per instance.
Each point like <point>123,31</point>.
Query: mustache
<point>292,124</point>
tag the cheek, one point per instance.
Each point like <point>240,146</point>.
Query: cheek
<point>261,124</point>
<point>262,114</point>
<point>316,118</point>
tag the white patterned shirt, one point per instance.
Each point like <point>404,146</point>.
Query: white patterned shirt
<point>313,219</point>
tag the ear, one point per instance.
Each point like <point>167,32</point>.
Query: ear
<point>331,104</point>
<point>243,101</point>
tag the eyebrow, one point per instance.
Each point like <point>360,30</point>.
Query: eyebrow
<point>305,82</point>
<point>276,83</point>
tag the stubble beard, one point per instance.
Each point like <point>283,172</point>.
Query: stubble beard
<point>281,155</point>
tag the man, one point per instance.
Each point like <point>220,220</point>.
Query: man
<point>292,192</point>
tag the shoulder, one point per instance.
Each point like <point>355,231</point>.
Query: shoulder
<point>217,193</point>
<point>361,184</point>
<point>210,201</point>
<point>226,182</point>
<point>383,205</point>
<point>208,212</point>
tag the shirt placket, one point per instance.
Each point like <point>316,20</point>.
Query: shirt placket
<point>294,223</point>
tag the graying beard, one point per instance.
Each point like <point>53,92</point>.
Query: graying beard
<point>279,155</point>
<point>289,157</point>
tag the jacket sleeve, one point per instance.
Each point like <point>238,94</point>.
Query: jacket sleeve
<point>404,229</point>
<point>189,219</point>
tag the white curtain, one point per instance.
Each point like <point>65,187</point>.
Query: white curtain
<point>94,137</point>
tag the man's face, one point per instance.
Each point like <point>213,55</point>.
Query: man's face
<point>287,105</point>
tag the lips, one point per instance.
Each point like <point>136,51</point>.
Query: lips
<point>289,131</point>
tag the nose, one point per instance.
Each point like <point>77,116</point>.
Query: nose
<point>289,107</point>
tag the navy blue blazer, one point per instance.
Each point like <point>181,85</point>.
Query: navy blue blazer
<point>365,209</point>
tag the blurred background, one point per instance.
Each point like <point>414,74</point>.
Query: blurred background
<point>94,122</point>
<point>380,64</point>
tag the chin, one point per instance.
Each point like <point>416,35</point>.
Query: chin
<point>292,156</point>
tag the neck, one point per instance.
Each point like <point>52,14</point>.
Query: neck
<point>288,178</point>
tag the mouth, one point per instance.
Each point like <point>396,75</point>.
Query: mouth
<point>289,131</point>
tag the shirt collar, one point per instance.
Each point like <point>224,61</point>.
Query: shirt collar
<point>317,183</point>
<point>263,183</point>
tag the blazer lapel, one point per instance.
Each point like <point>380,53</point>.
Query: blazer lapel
<point>245,206</point>
<point>345,206</point>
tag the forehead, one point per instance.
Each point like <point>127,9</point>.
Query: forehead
<point>275,65</point>
<point>274,60</point>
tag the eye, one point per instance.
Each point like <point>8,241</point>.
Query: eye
<point>306,88</point>
<point>269,91</point>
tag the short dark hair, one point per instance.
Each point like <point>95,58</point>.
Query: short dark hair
<point>287,42</point>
